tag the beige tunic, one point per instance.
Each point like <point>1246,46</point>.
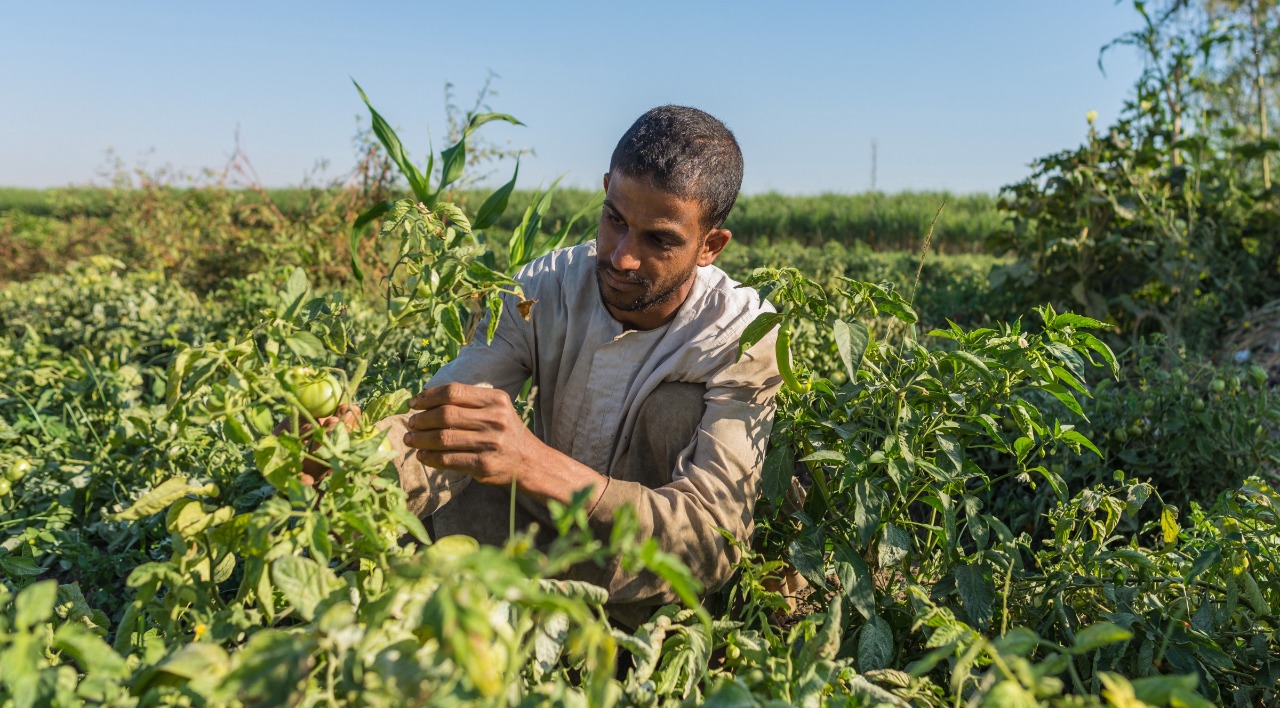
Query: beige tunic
<point>591,378</point>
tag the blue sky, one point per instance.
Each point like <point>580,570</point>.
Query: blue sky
<point>958,95</point>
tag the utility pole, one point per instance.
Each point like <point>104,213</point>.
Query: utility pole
<point>875,145</point>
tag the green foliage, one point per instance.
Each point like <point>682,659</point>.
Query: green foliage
<point>896,446</point>
<point>1160,223</point>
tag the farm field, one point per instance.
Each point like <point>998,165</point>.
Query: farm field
<point>1025,453</point>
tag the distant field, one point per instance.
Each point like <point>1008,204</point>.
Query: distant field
<point>881,221</point>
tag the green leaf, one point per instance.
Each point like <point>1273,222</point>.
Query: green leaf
<point>993,432</point>
<point>875,645</point>
<point>1162,690</point>
<point>851,342</point>
<point>778,471</point>
<point>454,216</point>
<point>158,499</point>
<point>977,594</point>
<point>357,230</point>
<point>34,604</point>
<point>295,292</point>
<point>895,546</point>
<point>303,582</point>
<point>833,457</point>
<point>1019,640</point>
<point>759,327</point>
<point>1075,436</point>
<point>1022,446</point>
<point>481,118</point>
<point>1136,497</point>
<point>523,239</point>
<point>195,661</point>
<point>452,323</point>
<point>305,345</point>
<point>1207,559</point>
<point>855,578</point>
<point>1099,635</point>
<point>558,237</point>
<point>495,305</point>
<point>496,203</point>
<point>1055,480</point>
<point>972,361</point>
<point>1068,319</point>
<point>1169,524</point>
<point>805,553</point>
<point>893,304</point>
<point>178,369</point>
<point>19,566</point>
<point>1061,393</point>
<point>89,651</point>
<point>869,503</point>
<point>269,668</point>
<point>391,142</point>
<point>452,160</point>
<point>952,458</point>
<point>1103,350</point>
<point>825,643</point>
<point>387,404</point>
<point>412,524</point>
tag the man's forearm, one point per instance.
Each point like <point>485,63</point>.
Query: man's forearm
<point>555,475</point>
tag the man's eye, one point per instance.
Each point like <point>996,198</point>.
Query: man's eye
<point>614,218</point>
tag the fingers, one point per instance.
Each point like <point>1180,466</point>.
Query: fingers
<point>472,463</point>
<point>448,440</point>
<point>458,395</point>
<point>449,416</point>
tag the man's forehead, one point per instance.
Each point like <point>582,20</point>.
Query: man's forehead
<point>638,197</point>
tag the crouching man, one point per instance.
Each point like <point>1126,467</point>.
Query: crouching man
<point>639,395</point>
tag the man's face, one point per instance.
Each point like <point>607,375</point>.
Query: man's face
<point>649,247</point>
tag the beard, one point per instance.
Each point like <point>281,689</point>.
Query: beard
<point>650,295</point>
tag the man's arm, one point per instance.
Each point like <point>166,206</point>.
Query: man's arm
<point>502,365</point>
<point>477,432</point>
<point>713,486</point>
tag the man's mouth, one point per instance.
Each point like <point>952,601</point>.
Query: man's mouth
<point>619,280</point>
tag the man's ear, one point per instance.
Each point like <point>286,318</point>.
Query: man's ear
<point>606,181</point>
<point>713,244</point>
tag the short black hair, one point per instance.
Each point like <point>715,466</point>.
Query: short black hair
<point>686,152</point>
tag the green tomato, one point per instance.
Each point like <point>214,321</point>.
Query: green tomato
<point>318,391</point>
<point>1197,405</point>
<point>1120,435</point>
<point>18,470</point>
<point>1218,385</point>
<point>1258,374</point>
<point>424,285</point>
<point>5,487</point>
<point>400,313</point>
<point>452,547</point>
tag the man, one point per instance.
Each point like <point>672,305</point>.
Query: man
<point>640,397</point>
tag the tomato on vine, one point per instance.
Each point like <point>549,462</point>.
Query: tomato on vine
<point>17,470</point>
<point>319,392</point>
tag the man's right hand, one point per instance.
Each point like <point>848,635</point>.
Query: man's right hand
<point>314,470</point>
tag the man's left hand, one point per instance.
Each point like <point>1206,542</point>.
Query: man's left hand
<point>473,430</point>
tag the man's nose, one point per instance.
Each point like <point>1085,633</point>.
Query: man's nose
<point>624,257</point>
